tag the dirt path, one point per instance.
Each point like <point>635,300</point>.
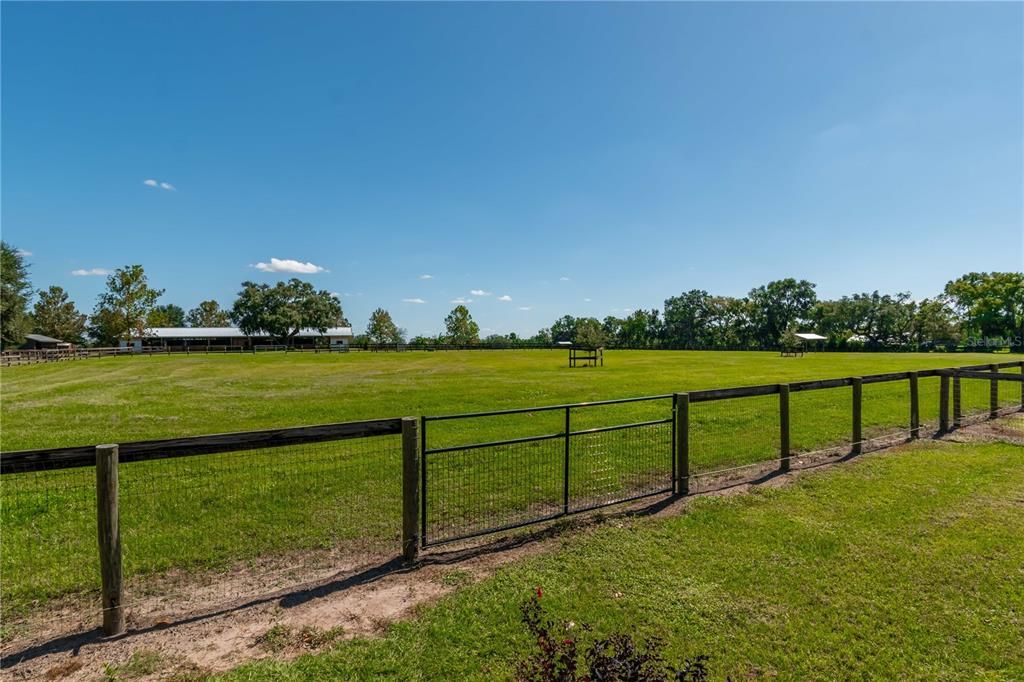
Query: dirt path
<point>282,621</point>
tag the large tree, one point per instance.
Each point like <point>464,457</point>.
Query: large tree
<point>208,314</point>
<point>168,315</point>
<point>589,332</point>
<point>123,310</point>
<point>55,315</point>
<point>15,292</point>
<point>991,303</point>
<point>460,329</point>
<point>564,329</point>
<point>283,310</point>
<point>382,329</point>
<point>778,305</point>
<point>687,319</point>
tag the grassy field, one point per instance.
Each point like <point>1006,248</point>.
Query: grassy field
<point>122,399</point>
<point>902,566</point>
<point>212,510</point>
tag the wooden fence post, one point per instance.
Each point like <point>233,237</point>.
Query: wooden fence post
<point>993,394</point>
<point>410,488</point>
<point>784,427</point>
<point>682,416</point>
<point>915,408</point>
<point>858,400</point>
<point>943,403</point>
<point>957,411</point>
<point>109,532</point>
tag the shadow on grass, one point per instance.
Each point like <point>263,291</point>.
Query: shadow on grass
<point>293,597</point>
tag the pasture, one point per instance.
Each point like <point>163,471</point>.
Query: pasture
<point>899,566</point>
<point>217,510</point>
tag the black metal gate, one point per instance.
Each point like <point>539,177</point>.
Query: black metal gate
<point>585,456</point>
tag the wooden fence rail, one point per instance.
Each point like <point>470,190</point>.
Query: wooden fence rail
<point>107,458</point>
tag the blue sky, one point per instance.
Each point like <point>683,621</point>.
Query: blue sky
<point>582,159</point>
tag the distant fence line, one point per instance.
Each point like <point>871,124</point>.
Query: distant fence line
<point>432,493</point>
<point>10,358</point>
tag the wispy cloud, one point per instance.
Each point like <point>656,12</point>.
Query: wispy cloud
<point>150,182</point>
<point>586,300</point>
<point>563,279</point>
<point>24,253</point>
<point>413,300</point>
<point>460,300</point>
<point>91,272</point>
<point>480,292</point>
<point>289,265</point>
<point>525,307</point>
<point>426,277</point>
<point>506,297</point>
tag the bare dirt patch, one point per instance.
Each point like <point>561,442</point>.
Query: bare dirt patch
<point>264,612</point>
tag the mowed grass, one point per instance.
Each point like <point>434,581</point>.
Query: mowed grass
<point>905,565</point>
<point>123,399</point>
<point>213,510</point>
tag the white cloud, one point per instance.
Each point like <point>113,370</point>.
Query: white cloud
<point>150,182</point>
<point>289,265</point>
<point>24,253</point>
<point>413,300</point>
<point>91,272</point>
<point>525,307</point>
<point>480,292</point>
<point>335,294</point>
<point>460,300</point>
<point>506,297</point>
<point>426,277</point>
<point>586,300</point>
<point>563,279</point>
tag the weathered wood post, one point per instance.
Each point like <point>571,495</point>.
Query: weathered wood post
<point>943,403</point>
<point>993,393</point>
<point>784,427</point>
<point>109,532</point>
<point>682,417</point>
<point>410,488</point>
<point>957,407</point>
<point>915,408</point>
<point>858,400</point>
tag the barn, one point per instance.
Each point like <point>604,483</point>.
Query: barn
<point>233,337</point>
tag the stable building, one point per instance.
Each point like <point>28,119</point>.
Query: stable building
<point>233,337</point>
<point>42,342</point>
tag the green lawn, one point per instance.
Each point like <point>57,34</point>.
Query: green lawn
<point>212,510</point>
<point>900,566</point>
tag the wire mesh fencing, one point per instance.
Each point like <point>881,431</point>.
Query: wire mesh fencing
<point>265,518</point>
<point>201,523</point>
<point>559,460</point>
<point>820,420</point>
<point>48,518</point>
<point>733,434</point>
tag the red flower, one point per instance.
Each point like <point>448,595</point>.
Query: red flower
<point>540,593</point>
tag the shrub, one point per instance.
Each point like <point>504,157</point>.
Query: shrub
<point>618,658</point>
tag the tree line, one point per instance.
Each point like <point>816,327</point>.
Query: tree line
<point>129,306</point>
<point>977,309</point>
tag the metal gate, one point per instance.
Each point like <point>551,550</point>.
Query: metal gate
<point>484,472</point>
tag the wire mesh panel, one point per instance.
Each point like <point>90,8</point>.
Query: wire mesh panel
<point>885,411</point>
<point>733,433</point>
<point>975,399</point>
<point>929,392</point>
<point>619,464</point>
<point>541,463</point>
<point>820,419</point>
<point>1009,394</point>
<point>281,513</point>
<point>472,490</point>
<point>49,541</point>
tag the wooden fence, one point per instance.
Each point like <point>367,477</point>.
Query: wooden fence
<point>107,458</point>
